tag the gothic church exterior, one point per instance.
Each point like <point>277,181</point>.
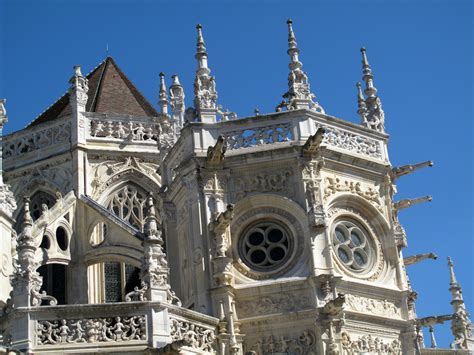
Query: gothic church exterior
<point>191,231</point>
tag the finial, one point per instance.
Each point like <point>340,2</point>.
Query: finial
<point>163,97</point>
<point>452,279</point>
<point>77,70</point>
<point>175,80</point>
<point>27,220</point>
<point>291,35</point>
<point>201,46</point>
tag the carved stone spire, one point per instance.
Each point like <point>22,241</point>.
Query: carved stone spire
<point>205,94</point>
<point>299,94</point>
<point>374,116</point>
<point>177,103</point>
<point>461,325</point>
<point>163,97</point>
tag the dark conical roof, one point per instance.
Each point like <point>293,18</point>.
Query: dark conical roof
<point>110,91</point>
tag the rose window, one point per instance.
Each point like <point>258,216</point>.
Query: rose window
<point>352,246</point>
<point>265,246</point>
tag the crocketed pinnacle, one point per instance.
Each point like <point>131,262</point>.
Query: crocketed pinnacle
<point>374,116</point>
<point>299,94</point>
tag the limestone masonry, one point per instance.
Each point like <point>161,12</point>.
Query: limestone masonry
<point>192,231</point>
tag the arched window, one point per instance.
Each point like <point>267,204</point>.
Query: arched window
<point>110,281</point>
<point>128,203</point>
<point>54,281</point>
<point>39,202</point>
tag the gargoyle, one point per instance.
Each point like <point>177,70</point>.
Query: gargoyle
<point>215,155</point>
<point>408,169</point>
<point>414,259</point>
<point>313,143</point>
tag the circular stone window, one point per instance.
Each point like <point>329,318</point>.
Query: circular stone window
<point>352,246</point>
<point>265,246</point>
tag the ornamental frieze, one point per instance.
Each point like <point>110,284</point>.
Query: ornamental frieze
<point>302,344</point>
<point>369,344</point>
<point>279,182</point>
<point>366,305</point>
<point>271,304</point>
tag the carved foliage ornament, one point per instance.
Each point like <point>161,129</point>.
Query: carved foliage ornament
<point>91,330</point>
<point>333,185</point>
<point>193,335</point>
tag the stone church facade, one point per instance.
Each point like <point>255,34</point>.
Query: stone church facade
<point>189,230</point>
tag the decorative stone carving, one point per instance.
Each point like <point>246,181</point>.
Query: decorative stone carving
<point>7,200</point>
<point>91,330</point>
<point>123,129</point>
<point>303,344</point>
<point>279,182</point>
<point>312,180</point>
<point>111,169</point>
<point>368,343</point>
<point>334,184</point>
<point>30,140</point>
<point>277,303</point>
<point>352,142</point>
<point>259,136</point>
<point>368,305</point>
<point>299,94</point>
<point>215,154</point>
<point>192,335</point>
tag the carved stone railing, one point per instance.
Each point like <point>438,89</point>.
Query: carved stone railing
<point>122,128</point>
<point>111,327</point>
<point>257,132</point>
<point>246,138</point>
<point>193,330</point>
<point>91,330</point>
<point>36,138</point>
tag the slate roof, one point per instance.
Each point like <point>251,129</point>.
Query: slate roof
<point>110,91</point>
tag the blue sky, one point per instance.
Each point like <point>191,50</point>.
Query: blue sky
<point>420,52</point>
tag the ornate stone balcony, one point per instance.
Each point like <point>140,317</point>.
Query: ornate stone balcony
<point>118,327</point>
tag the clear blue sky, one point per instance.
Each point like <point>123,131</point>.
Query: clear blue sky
<point>420,51</point>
